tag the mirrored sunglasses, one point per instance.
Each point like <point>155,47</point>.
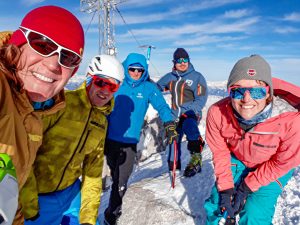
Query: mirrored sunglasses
<point>104,82</point>
<point>45,46</point>
<point>179,61</point>
<point>139,70</point>
<point>255,92</point>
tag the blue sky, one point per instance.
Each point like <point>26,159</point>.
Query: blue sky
<point>216,33</point>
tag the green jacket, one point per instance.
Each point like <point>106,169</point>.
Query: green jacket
<point>73,145</point>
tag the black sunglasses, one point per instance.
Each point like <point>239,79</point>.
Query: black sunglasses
<point>140,70</point>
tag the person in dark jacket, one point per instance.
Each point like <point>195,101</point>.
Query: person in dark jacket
<point>124,127</point>
<point>189,95</point>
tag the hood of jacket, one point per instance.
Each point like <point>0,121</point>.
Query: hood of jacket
<point>133,58</point>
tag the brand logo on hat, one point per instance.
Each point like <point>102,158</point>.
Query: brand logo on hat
<point>251,72</point>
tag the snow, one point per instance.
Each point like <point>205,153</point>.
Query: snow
<point>151,200</point>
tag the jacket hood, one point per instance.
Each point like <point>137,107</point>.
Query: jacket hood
<point>133,58</point>
<point>181,74</point>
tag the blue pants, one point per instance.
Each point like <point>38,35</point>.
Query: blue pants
<point>260,205</point>
<point>72,214</point>
<point>189,127</point>
<point>53,205</point>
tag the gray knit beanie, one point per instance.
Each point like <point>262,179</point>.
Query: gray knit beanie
<point>251,68</point>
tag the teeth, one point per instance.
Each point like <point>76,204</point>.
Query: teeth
<point>247,106</point>
<point>101,96</point>
<point>43,78</point>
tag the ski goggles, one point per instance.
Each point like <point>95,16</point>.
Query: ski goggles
<point>138,69</point>
<point>104,82</point>
<point>179,61</point>
<point>259,92</point>
<point>45,46</point>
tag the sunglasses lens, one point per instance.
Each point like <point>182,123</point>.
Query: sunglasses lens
<point>179,61</point>
<point>255,92</point>
<point>140,70</point>
<point>105,83</point>
<point>41,44</point>
<point>69,59</point>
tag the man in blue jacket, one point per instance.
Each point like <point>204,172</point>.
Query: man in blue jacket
<point>189,95</point>
<point>125,124</point>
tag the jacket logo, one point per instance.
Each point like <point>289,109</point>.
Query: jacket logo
<point>251,72</point>
<point>139,95</point>
<point>189,82</point>
<point>35,137</point>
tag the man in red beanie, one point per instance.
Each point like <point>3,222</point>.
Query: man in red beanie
<point>35,65</point>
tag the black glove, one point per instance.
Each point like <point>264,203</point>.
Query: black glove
<point>225,202</point>
<point>34,217</point>
<point>240,197</point>
<point>171,132</point>
<point>196,146</point>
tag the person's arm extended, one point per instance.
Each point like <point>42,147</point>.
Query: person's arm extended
<point>218,146</point>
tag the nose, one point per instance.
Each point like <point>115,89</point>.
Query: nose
<point>51,62</point>
<point>247,96</point>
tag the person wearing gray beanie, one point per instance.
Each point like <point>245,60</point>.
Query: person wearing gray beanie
<point>252,141</point>
<point>253,67</point>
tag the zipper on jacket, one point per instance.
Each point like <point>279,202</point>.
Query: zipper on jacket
<point>176,95</point>
<point>86,137</point>
<point>63,174</point>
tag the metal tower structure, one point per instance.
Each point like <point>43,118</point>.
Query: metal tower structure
<point>105,10</point>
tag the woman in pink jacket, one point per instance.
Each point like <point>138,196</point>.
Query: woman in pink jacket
<point>254,137</point>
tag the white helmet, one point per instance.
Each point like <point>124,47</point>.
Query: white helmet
<point>106,65</point>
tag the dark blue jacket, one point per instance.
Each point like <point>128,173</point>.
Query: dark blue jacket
<point>131,104</point>
<point>188,90</point>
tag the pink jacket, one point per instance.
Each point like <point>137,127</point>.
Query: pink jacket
<point>272,147</point>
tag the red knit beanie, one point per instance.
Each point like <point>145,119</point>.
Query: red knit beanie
<point>55,22</point>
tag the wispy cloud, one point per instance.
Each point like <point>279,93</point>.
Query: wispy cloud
<point>286,30</point>
<point>187,7</point>
<point>207,39</point>
<point>139,3</point>
<point>32,2</point>
<point>294,17</point>
<point>235,14</point>
<point>203,5</point>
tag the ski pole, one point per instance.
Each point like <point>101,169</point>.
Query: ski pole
<point>174,164</point>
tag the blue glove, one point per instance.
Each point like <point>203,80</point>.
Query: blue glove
<point>225,202</point>
<point>240,197</point>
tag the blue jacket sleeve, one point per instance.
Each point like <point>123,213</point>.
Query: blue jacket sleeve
<point>159,103</point>
<point>163,82</point>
